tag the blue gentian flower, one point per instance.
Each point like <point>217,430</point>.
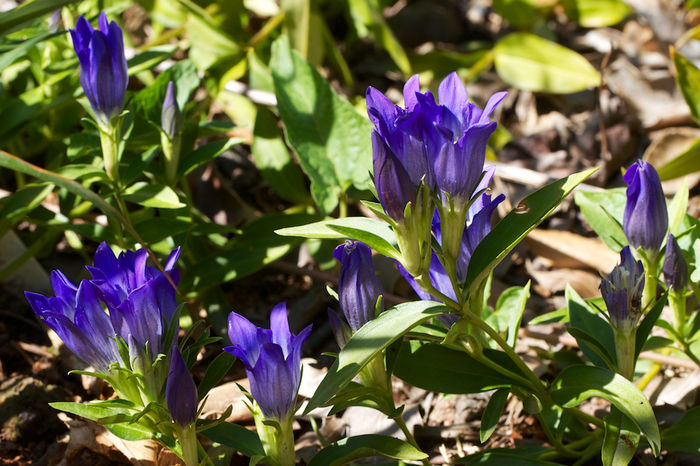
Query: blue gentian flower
<point>645,221</point>
<point>622,291</point>
<point>139,300</point>
<point>77,317</point>
<point>272,360</point>
<point>441,145</point>
<point>180,390</point>
<point>675,266</point>
<point>103,71</point>
<point>358,287</point>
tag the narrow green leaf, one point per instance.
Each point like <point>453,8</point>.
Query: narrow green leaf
<point>595,336</point>
<point>127,431</point>
<point>205,153</point>
<point>369,22</point>
<point>9,57</point>
<point>531,63</point>
<point>678,208</point>
<point>297,14</point>
<point>18,17</point>
<point>364,446</point>
<point>621,439</point>
<point>517,224</point>
<point>511,305</point>
<point>598,207</point>
<point>152,195</point>
<point>215,372</point>
<point>683,164</point>
<point>237,437</point>
<point>688,78</point>
<point>492,413</point>
<point>647,324</point>
<point>370,340</point>
<point>577,383</point>
<point>438,368</point>
<point>331,139</point>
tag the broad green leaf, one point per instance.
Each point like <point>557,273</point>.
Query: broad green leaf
<point>256,247</point>
<point>273,161</point>
<point>688,78</point>
<point>209,43</point>
<point>596,13</point>
<point>17,18</point>
<point>596,338</point>
<point>126,430</point>
<point>369,22</point>
<point>331,139</point>
<point>531,63</point>
<point>237,437</point>
<point>621,439</point>
<point>576,384</point>
<point>684,164</point>
<point>598,207</point>
<point>438,368</point>
<point>684,435</point>
<point>364,446</point>
<point>370,340</point>
<point>517,224</point>
<point>78,171</point>
<point>375,233</point>
<point>205,153</point>
<point>152,195</point>
<point>492,413</point>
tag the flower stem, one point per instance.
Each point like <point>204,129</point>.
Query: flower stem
<point>109,140</point>
<point>650,274</point>
<point>625,349</point>
<point>677,302</point>
<point>189,443</point>
<point>278,440</point>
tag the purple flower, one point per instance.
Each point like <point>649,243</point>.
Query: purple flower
<point>103,71</point>
<point>358,287</point>
<point>272,360</point>
<point>675,266</point>
<point>622,291</point>
<point>645,221</point>
<point>442,145</point>
<point>139,299</point>
<point>170,116</point>
<point>394,188</point>
<point>77,317</point>
<point>180,390</point>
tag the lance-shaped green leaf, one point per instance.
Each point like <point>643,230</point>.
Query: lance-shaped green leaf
<point>364,446</point>
<point>125,430</point>
<point>684,435</point>
<point>374,233</point>
<point>688,77</point>
<point>237,437</point>
<point>492,413</point>
<point>518,223</point>
<point>578,383</point>
<point>603,211</point>
<point>620,441</point>
<point>370,340</point>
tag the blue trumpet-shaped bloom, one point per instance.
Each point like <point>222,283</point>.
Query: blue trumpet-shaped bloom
<point>180,390</point>
<point>442,145</point>
<point>622,291</point>
<point>272,360</point>
<point>358,287</point>
<point>103,71</point>
<point>645,221</point>
<point>675,266</point>
<point>139,301</point>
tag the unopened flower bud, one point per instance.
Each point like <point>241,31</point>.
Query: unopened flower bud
<point>622,291</point>
<point>675,266</point>
<point>358,287</point>
<point>645,221</point>
<point>180,390</point>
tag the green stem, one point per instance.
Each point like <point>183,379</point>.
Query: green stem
<point>109,140</point>
<point>650,273</point>
<point>554,440</point>
<point>189,443</point>
<point>427,285</point>
<point>625,349</point>
<point>342,206</point>
<point>496,367</point>
<point>677,302</point>
<point>277,439</point>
